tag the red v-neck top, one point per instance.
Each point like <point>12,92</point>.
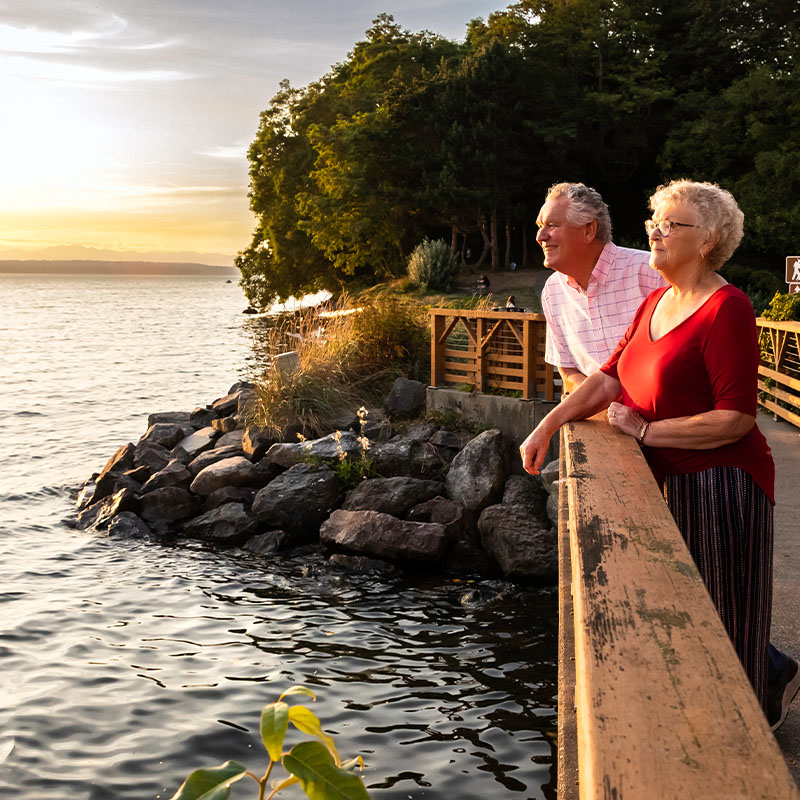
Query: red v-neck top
<point>709,361</point>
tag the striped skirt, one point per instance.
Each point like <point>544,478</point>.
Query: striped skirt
<point>726,520</point>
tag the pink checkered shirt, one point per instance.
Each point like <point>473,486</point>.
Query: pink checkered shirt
<point>583,328</point>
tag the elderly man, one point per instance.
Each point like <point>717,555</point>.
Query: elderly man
<point>596,287</point>
<point>589,302</point>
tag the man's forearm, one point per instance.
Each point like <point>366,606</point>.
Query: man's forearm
<point>571,378</point>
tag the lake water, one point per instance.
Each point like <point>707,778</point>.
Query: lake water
<point>126,665</point>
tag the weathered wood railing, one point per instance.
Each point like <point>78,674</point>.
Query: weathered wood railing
<point>491,350</point>
<point>779,373</point>
<point>660,707</point>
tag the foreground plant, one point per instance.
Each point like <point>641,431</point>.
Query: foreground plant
<point>315,765</point>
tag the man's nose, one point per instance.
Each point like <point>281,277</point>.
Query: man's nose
<point>541,235</point>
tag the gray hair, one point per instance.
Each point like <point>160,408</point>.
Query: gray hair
<point>720,215</point>
<point>585,205</point>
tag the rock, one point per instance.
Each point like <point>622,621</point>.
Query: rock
<point>526,490</point>
<point>552,503</point>
<point>110,483</point>
<point>328,448</point>
<point>213,456</point>
<point>121,461</point>
<point>256,441</point>
<point>393,457</point>
<point>451,440</point>
<point>166,434</point>
<point>232,439</point>
<point>168,505</point>
<point>361,565</point>
<point>224,424</point>
<point>230,494</point>
<point>426,460</point>
<point>227,525</point>
<point>246,401</point>
<point>420,431</point>
<point>169,417</point>
<point>375,534</point>
<point>198,442</point>
<point>138,474</point>
<point>406,398</point>
<point>266,471</point>
<point>202,417</point>
<point>345,420</point>
<point>85,494</point>
<point>453,516</point>
<point>174,474</point>
<point>519,543</point>
<point>236,471</point>
<point>100,514</point>
<point>286,363</point>
<point>478,473</point>
<point>392,496</point>
<point>239,385</point>
<point>153,456</point>
<point>127,525</point>
<point>299,499</point>
<point>377,430</point>
<point>267,543</point>
<point>226,406</point>
<point>549,474</point>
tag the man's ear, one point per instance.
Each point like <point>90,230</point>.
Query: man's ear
<point>590,231</point>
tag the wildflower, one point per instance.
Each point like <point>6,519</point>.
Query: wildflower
<point>364,442</point>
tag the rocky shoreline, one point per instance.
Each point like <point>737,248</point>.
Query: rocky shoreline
<point>443,497</point>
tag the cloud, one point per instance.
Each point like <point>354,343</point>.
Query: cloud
<point>231,152</point>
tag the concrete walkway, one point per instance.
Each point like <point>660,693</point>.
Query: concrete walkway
<point>784,440</point>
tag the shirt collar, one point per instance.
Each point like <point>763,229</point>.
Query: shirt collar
<point>601,269</point>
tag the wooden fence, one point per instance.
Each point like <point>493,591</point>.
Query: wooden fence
<point>779,373</point>
<point>486,350</point>
<point>659,705</point>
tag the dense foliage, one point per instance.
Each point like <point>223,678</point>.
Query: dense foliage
<point>415,135</point>
<point>433,266</point>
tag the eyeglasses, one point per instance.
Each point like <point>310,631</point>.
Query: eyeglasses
<point>664,227</point>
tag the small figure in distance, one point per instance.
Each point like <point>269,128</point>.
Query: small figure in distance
<point>483,282</point>
<point>510,304</point>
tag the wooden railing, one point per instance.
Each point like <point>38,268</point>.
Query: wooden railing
<point>779,373</point>
<point>660,706</point>
<point>491,350</point>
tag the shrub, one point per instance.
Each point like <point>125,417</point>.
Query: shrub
<point>783,308</point>
<point>348,357</point>
<point>433,266</point>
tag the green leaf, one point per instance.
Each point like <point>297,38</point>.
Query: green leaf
<point>308,722</point>
<point>274,722</point>
<point>298,690</point>
<point>211,784</point>
<point>319,776</point>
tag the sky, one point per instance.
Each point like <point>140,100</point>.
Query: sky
<point>126,123</point>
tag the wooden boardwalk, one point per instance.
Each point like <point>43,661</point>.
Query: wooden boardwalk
<point>784,439</point>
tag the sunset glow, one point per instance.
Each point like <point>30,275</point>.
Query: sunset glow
<point>126,127</point>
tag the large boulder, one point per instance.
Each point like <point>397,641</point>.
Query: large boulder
<point>526,490</point>
<point>174,474</point>
<point>171,504</point>
<point>519,542</point>
<point>224,424</point>
<point>299,499</point>
<point>478,473</point>
<point>127,525</point>
<point>236,471</point>
<point>196,443</point>
<point>151,455</point>
<point>201,418</point>
<point>391,495</point>
<point>121,461</point>
<point>230,494</point>
<point>212,457</point>
<point>228,524</point>
<point>383,536</point>
<point>100,514</point>
<point>172,417</point>
<point>393,457</point>
<point>166,434</point>
<point>232,439</point>
<point>327,448</point>
<point>268,542</point>
<point>256,441</point>
<point>108,483</point>
<point>406,398</point>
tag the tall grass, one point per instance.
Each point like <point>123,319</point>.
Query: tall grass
<point>349,356</point>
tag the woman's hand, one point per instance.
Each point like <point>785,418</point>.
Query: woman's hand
<point>625,419</point>
<point>534,449</point>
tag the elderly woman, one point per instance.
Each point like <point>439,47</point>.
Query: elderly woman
<point>686,375</point>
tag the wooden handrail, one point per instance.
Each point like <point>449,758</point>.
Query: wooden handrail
<point>491,350</point>
<point>663,708</point>
<point>779,372</point>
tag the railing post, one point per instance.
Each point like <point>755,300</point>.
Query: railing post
<point>437,348</point>
<point>480,361</point>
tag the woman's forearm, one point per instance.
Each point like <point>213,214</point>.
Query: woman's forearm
<point>699,432</point>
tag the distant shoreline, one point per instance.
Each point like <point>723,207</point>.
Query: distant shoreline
<point>87,267</point>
